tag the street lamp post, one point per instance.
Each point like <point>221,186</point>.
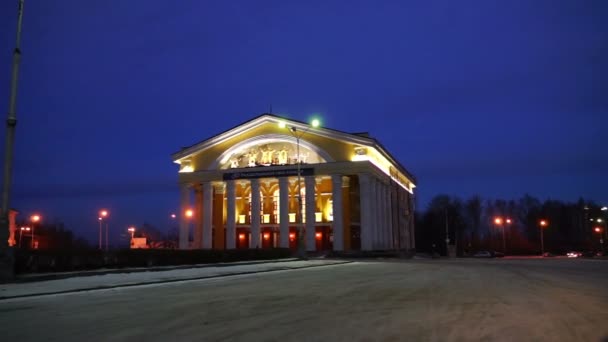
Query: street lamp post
<point>543,224</point>
<point>132,231</point>
<point>35,219</point>
<point>27,229</point>
<point>502,223</point>
<point>294,131</point>
<point>599,231</point>
<point>102,215</point>
<point>6,258</point>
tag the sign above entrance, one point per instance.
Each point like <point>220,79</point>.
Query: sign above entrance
<point>308,171</point>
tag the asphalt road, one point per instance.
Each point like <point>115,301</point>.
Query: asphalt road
<point>417,300</point>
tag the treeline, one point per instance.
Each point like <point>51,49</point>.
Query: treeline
<point>471,225</point>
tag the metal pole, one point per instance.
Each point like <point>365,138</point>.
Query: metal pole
<point>100,229</point>
<point>504,241</point>
<point>542,242</point>
<point>106,236</point>
<point>447,235</point>
<point>33,235</point>
<point>6,261</point>
<point>301,241</point>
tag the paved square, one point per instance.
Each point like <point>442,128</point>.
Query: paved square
<point>440,300</point>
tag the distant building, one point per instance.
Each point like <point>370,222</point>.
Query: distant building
<point>12,227</point>
<point>239,189</point>
<point>139,243</point>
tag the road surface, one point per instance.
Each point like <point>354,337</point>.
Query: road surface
<point>416,300</point>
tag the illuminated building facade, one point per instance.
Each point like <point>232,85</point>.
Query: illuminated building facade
<point>240,190</point>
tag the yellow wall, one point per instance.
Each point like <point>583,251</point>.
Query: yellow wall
<point>338,150</point>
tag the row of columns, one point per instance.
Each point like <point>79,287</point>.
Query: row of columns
<point>204,215</point>
<point>376,211</point>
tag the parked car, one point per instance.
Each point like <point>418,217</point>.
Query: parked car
<point>574,254</point>
<point>482,254</point>
<point>496,254</point>
<point>548,255</point>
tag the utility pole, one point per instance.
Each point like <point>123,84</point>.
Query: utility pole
<point>447,235</point>
<point>6,253</point>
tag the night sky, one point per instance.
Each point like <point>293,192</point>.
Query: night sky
<point>497,98</point>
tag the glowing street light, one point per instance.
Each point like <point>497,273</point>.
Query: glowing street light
<point>35,219</point>
<point>315,123</point>
<point>604,208</point>
<point>503,222</point>
<point>543,224</point>
<point>102,215</point>
<point>173,216</point>
<point>597,229</point>
<point>21,230</point>
<point>132,231</point>
<point>189,213</point>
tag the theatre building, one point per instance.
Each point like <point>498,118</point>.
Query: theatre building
<point>240,189</point>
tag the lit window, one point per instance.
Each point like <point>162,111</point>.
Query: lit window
<point>292,217</point>
<point>266,218</point>
<point>330,213</point>
<point>241,219</point>
<point>318,217</point>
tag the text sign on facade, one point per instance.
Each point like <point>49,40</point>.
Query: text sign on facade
<point>268,173</point>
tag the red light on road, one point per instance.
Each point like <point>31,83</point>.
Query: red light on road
<point>266,236</point>
<point>598,229</point>
<point>318,235</point>
<point>292,236</point>
<point>241,236</point>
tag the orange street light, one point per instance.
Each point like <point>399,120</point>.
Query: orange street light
<point>543,224</point>
<point>189,213</point>
<point>499,222</point>
<point>35,219</point>
<point>103,214</point>
<point>132,231</point>
<point>21,230</point>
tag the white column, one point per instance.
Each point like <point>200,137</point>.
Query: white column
<point>380,215</point>
<point>386,235</point>
<point>207,215</point>
<point>184,222</point>
<point>389,215</point>
<point>338,224</point>
<point>284,212</point>
<point>310,182</point>
<point>365,211</point>
<point>374,210</point>
<point>254,242</point>
<point>379,220</point>
<point>230,215</point>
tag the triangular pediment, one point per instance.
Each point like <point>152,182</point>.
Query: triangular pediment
<point>273,121</point>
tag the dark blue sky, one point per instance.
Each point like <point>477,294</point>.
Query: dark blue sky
<point>496,98</point>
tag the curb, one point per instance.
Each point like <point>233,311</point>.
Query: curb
<point>32,277</point>
<point>107,287</point>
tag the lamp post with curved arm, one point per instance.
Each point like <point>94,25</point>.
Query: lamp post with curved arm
<point>298,135</point>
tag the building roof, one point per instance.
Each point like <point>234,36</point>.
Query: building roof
<point>362,138</point>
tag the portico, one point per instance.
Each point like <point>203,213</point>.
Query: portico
<point>242,186</point>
